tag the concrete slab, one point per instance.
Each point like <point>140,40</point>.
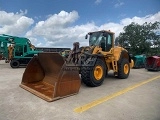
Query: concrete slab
<point>141,103</point>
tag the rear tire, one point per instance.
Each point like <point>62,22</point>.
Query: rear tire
<point>14,64</point>
<point>93,76</point>
<point>123,68</point>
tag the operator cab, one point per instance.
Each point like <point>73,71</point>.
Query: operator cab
<point>103,39</point>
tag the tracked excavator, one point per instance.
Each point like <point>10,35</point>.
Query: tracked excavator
<point>51,77</point>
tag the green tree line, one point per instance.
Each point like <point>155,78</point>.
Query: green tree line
<point>141,39</point>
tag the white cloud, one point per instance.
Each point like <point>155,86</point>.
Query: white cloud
<point>14,23</point>
<point>58,30</point>
<point>118,4</point>
<point>59,33</point>
<point>118,27</point>
<point>140,20</point>
<point>54,23</point>
<point>98,1</point>
<point>64,37</point>
<point>115,27</point>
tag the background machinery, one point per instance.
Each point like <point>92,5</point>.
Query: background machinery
<point>139,61</point>
<point>59,77</point>
<point>16,50</point>
<point>153,63</point>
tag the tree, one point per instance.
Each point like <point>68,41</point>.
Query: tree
<point>140,39</point>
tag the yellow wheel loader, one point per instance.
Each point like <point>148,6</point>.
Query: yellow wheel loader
<point>50,76</point>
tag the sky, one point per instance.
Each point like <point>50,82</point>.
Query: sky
<point>60,23</point>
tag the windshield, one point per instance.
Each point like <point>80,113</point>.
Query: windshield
<point>95,38</point>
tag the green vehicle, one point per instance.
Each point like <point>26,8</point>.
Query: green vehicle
<point>16,50</point>
<point>139,61</point>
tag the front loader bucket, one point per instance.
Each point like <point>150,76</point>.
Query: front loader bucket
<point>48,77</point>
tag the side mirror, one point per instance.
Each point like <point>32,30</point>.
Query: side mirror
<point>86,37</point>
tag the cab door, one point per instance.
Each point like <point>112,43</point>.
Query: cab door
<point>106,42</point>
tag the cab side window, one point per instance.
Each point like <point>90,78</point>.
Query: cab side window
<point>109,40</point>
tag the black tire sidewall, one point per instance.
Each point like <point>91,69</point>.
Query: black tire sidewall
<point>14,64</point>
<point>121,73</point>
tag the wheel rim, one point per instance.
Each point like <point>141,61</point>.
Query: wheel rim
<point>98,72</point>
<point>126,68</point>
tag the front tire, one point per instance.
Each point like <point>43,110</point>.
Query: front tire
<point>94,75</point>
